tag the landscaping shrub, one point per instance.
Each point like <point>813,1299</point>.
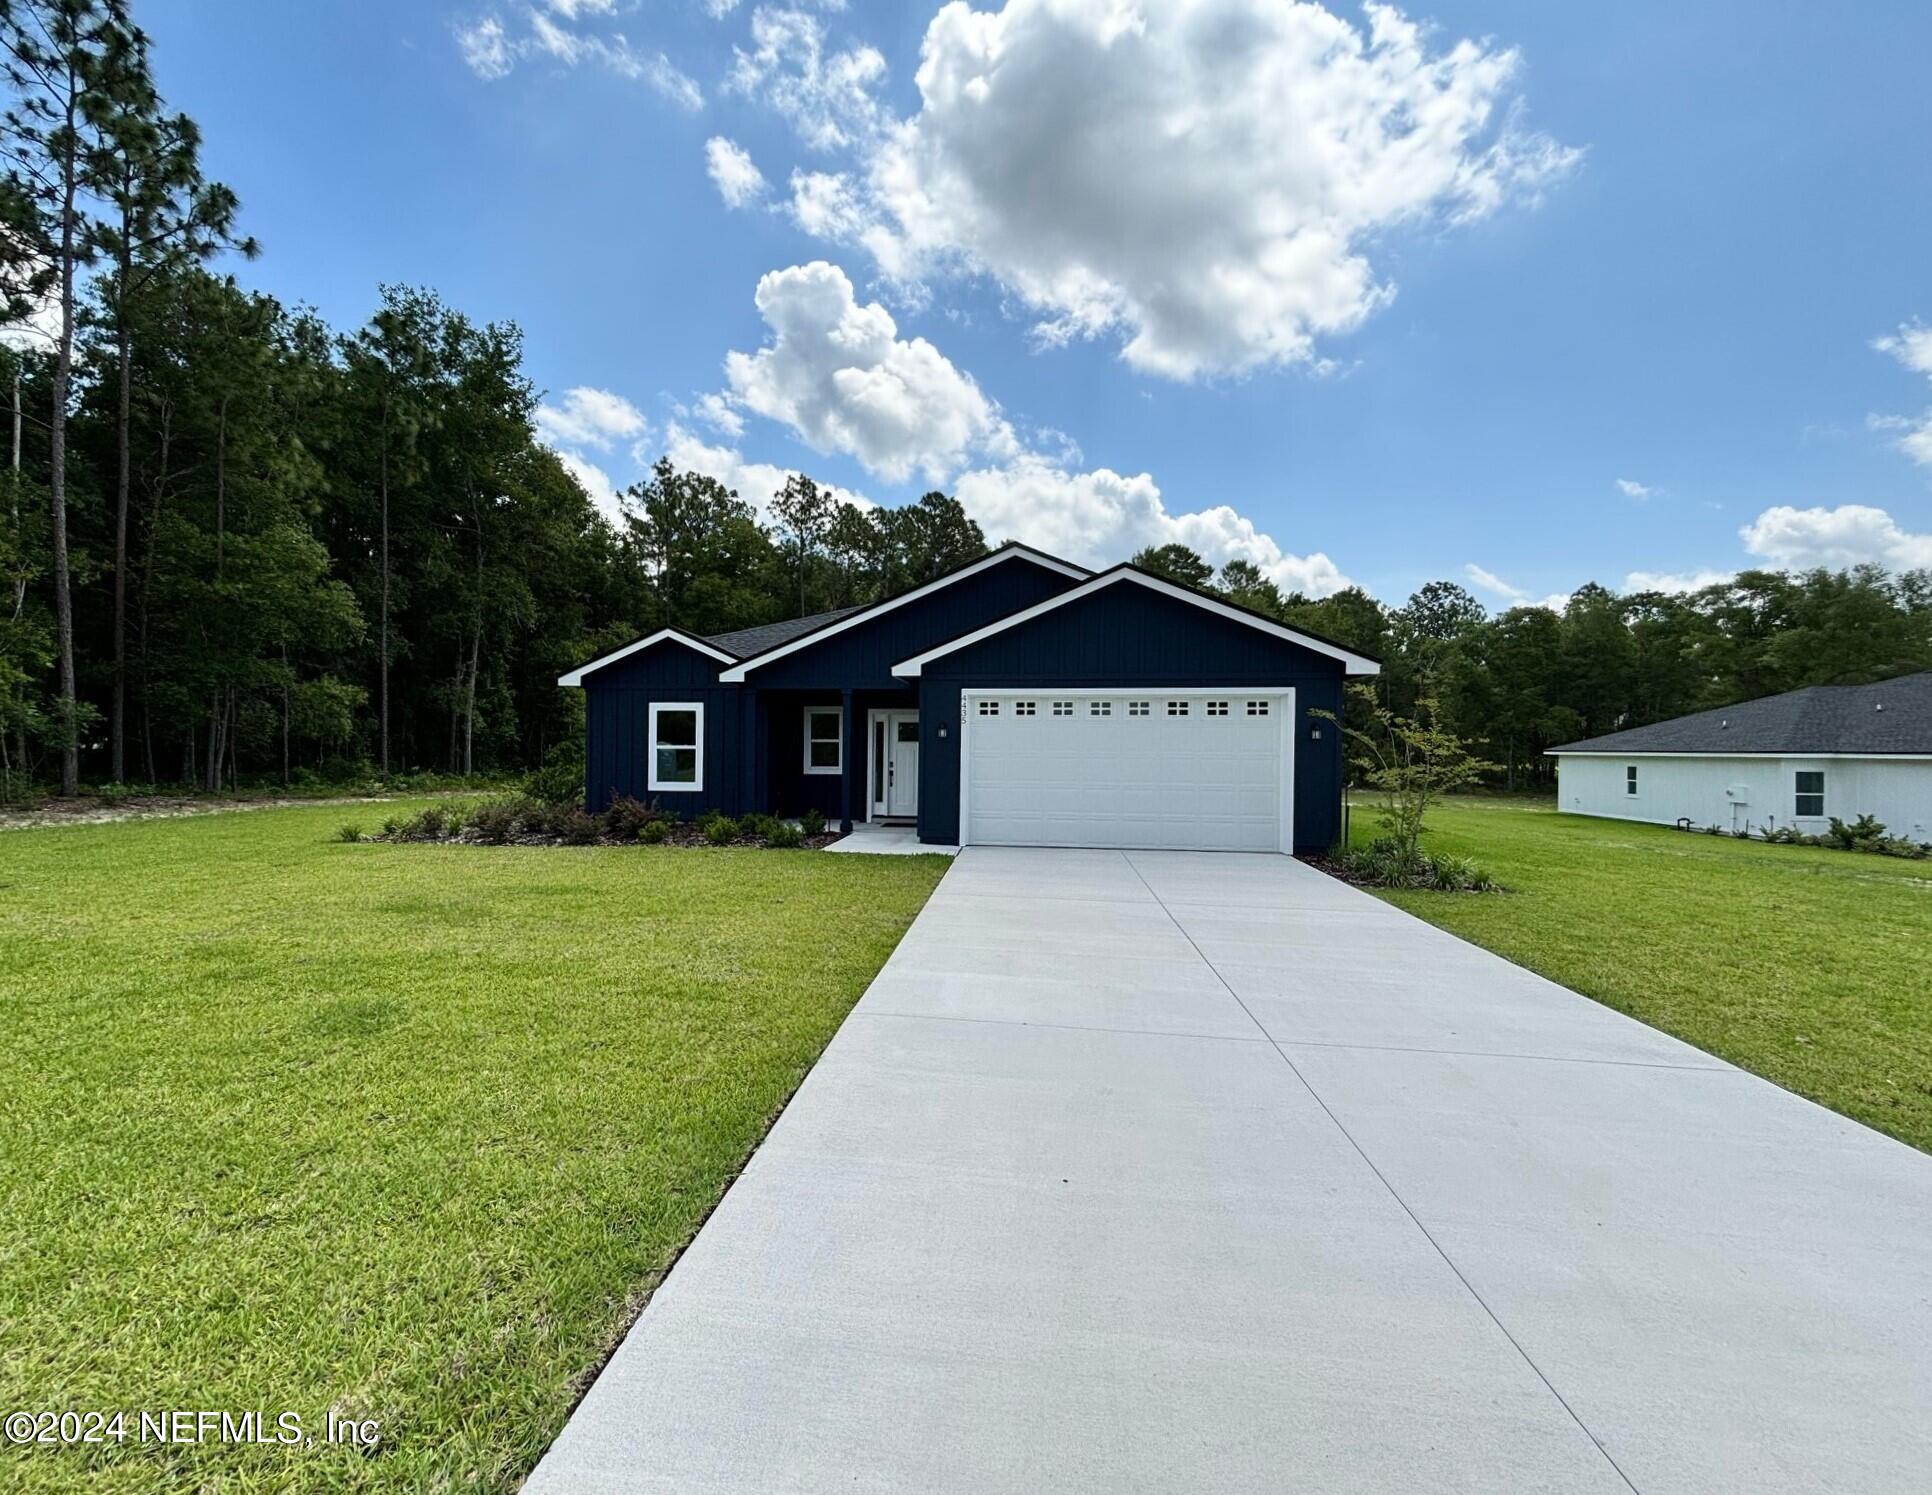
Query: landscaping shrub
<point>812,822</point>
<point>348,833</point>
<point>1386,863</point>
<point>435,823</point>
<point>627,816</point>
<point>785,837</point>
<point>760,825</point>
<point>576,828</point>
<point>1861,835</point>
<point>495,821</point>
<point>720,830</point>
<point>1901,846</point>
<point>653,832</point>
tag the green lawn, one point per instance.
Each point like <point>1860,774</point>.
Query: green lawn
<point>1811,968</point>
<point>406,1132</point>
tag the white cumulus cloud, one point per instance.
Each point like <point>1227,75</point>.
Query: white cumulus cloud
<point>1630,488</point>
<point>1848,535</point>
<point>1673,581</point>
<point>1911,345</point>
<point>1102,516</point>
<point>733,172</point>
<point>555,32</point>
<point>754,482</point>
<point>589,417</point>
<point>1488,581</point>
<point>1204,180</point>
<point>484,47</point>
<point>825,93</point>
<point>840,376</point>
<point>594,481</point>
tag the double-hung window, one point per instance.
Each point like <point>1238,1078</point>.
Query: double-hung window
<point>1810,793</point>
<point>677,745</point>
<point>1630,778</point>
<point>824,742</point>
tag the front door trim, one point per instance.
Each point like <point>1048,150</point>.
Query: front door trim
<point>882,720</point>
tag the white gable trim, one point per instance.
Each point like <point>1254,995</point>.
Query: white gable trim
<point>663,635</point>
<point>1355,664</point>
<point>736,674</point>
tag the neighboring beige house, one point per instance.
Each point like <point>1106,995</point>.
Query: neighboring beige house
<point>1795,759</point>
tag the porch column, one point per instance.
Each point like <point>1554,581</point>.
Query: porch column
<point>845,762</point>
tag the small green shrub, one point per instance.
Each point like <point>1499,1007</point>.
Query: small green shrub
<point>349,832</point>
<point>812,822</point>
<point>720,830</point>
<point>760,825</point>
<point>653,832</point>
<point>1902,846</point>
<point>785,837</point>
<point>1861,835</point>
<point>1384,863</point>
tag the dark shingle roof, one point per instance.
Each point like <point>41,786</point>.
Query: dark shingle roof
<point>1892,717</point>
<point>745,642</point>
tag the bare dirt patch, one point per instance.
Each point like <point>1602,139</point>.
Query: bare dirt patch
<point>88,811</point>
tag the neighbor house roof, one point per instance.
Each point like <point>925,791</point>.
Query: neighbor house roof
<point>1894,717</point>
<point>1353,663</point>
<point>742,643</point>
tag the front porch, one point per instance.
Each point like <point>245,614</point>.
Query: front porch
<point>851,755</point>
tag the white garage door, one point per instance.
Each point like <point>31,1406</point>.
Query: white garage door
<point>1179,770</point>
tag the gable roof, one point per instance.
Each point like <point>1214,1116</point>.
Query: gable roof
<point>1893,717</point>
<point>664,635</point>
<point>1353,662</point>
<point>742,643</point>
<point>852,617</point>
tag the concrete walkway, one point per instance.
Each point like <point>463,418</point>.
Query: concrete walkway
<point>1139,1171</point>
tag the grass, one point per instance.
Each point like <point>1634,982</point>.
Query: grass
<point>402,1132</point>
<point>1812,968</point>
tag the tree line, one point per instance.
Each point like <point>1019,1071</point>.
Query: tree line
<point>1518,682</point>
<point>239,544</point>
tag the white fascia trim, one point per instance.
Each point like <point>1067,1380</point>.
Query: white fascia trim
<point>1859,757</point>
<point>576,676</point>
<point>736,674</point>
<point>1354,664</point>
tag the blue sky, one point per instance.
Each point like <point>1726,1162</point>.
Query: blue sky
<point>1355,296</point>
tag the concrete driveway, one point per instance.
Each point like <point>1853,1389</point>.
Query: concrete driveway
<point>1167,1171</point>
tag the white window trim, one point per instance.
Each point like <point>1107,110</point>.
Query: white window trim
<point>1287,721</point>
<point>1824,786</point>
<point>1352,663</point>
<point>696,786</point>
<point>837,714</point>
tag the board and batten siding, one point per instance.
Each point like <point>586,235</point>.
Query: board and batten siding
<point>617,729</point>
<point>1125,638</point>
<point>1734,792</point>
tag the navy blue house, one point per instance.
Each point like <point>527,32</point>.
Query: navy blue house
<point>1019,701</point>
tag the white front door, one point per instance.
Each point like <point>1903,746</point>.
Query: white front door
<point>902,763</point>
<point>1183,769</point>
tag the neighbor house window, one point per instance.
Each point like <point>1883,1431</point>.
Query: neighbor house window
<point>1630,779</point>
<point>1811,793</point>
<point>824,742</point>
<point>1177,708</point>
<point>1100,708</point>
<point>1026,708</point>
<point>1257,708</point>
<point>677,735</point>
